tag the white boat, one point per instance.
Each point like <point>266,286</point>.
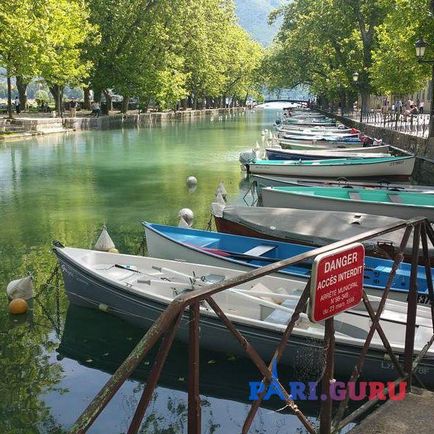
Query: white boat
<point>403,205</point>
<point>274,153</point>
<point>139,289</point>
<point>401,167</point>
<point>299,144</point>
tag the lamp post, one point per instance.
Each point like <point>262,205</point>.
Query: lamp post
<point>420,47</point>
<point>356,80</point>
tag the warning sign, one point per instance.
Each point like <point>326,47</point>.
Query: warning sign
<point>337,281</point>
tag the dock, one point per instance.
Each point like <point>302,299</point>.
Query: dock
<point>412,415</point>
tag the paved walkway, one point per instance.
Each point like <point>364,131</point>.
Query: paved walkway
<point>413,415</point>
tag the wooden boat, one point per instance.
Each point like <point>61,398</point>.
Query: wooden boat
<point>401,167</point>
<point>315,130</point>
<point>306,134</point>
<point>262,181</point>
<point>404,205</point>
<point>293,154</point>
<point>313,140</point>
<point>139,289</point>
<point>292,144</point>
<point>311,228</point>
<point>244,253</point>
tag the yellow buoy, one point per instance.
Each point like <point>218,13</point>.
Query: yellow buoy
<point>113,250</point>
<point>18,306</point>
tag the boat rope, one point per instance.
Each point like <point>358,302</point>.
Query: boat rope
<point>209,224</point>
<point>251,191</point>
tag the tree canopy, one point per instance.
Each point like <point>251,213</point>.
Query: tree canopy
<point>322,43</point>
<point>163,52</point>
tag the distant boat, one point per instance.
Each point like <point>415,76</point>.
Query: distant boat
<point>293,154</point>
<point>326,139</point>
<point>404,205</point>
<point>311,228</point>
<point>139,289</point>
<point>352,168</point>
<point>244,253</point>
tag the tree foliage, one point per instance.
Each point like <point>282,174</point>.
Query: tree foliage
<point>323,42</point>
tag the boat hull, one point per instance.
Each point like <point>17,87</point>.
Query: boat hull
<point>278,199</point>
<point>86,289</point>
<point>283,154</point>
<point>399,168</point>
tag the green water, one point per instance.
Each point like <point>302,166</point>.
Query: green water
<point>65,187</point>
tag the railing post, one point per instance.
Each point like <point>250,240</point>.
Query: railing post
<point>326,398</point>
<point>194,413</point>
<point>411,308</point>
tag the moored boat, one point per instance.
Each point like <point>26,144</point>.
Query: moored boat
<point>244,253</point>
<point>293,154</point>
<point>311,227</point>
<point>139,289</point>
<point>404,205</point>
<point>401,167</point>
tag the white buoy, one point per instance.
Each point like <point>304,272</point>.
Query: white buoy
<point>187,214</point>
<point>263,133</point>
<point>104,242</point>
<point>183,224</point>
<point>257,147</point>
<point>20,288</point>
<point>191,181</point>
<point>220,199</point>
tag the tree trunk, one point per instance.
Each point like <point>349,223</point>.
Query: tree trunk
<point>108,102</point>
<point>125,102</point>
<point>86,97</point>
<point>57,92</point>
<point>22,87</point>
<point>10,115</point>
<point>365,100</point>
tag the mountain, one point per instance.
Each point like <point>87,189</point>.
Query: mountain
<point>253,16</point>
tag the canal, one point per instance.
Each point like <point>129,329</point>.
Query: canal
<point>65,187</point>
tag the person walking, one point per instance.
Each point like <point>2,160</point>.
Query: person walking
<point>17,105</point>
<point>421,105</point>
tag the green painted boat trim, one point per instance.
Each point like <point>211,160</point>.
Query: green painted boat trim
<point>384,196</point>
<point>332,162</point>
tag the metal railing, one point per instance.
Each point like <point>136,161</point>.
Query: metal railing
<point>165,329</point>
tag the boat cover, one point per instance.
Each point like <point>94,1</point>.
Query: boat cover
<point>312,227</point>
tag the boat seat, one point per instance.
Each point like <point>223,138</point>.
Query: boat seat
<point>278,316</point>
<point>354,195</point>
<point>395,198</point>
<point>259,250</point>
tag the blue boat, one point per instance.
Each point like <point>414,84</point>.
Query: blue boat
<point>245,253</point>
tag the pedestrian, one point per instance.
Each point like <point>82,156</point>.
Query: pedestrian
<point>421,105</point>
<point>399,105</point>
<point>73,107</point>
<point>17,105</point>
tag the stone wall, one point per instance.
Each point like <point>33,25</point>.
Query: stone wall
<point>143,119</point>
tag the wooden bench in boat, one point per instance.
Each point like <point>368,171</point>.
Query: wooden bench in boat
<point>259,250</point>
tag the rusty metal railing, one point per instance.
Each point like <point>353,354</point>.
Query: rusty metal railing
<point>165,328</point>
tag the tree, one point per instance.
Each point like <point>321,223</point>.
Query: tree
<point>21,41</point>
<point>66,30</point>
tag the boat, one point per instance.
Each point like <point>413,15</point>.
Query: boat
<point>399,167</point>
<point>404,205</point>
<point>262,181</point>
<point>315,133</point>
<point>311,228</point>
<point>244,253</point>
<point>273,153</point>
<point>315,130</point>
<point>292,144</point>
<point>313,140</point>
<point>139,289</point>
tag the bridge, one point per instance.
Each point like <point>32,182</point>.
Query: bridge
<point>286,100</point>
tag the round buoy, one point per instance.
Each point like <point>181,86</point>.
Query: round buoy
<point>187,214</point>
<point>113,250</point>
<point>191,181</point>
<point>18,306</point>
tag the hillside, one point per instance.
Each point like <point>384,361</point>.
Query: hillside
<point>253,16</point>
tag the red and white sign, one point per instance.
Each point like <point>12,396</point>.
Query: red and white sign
<point>337,281</point>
